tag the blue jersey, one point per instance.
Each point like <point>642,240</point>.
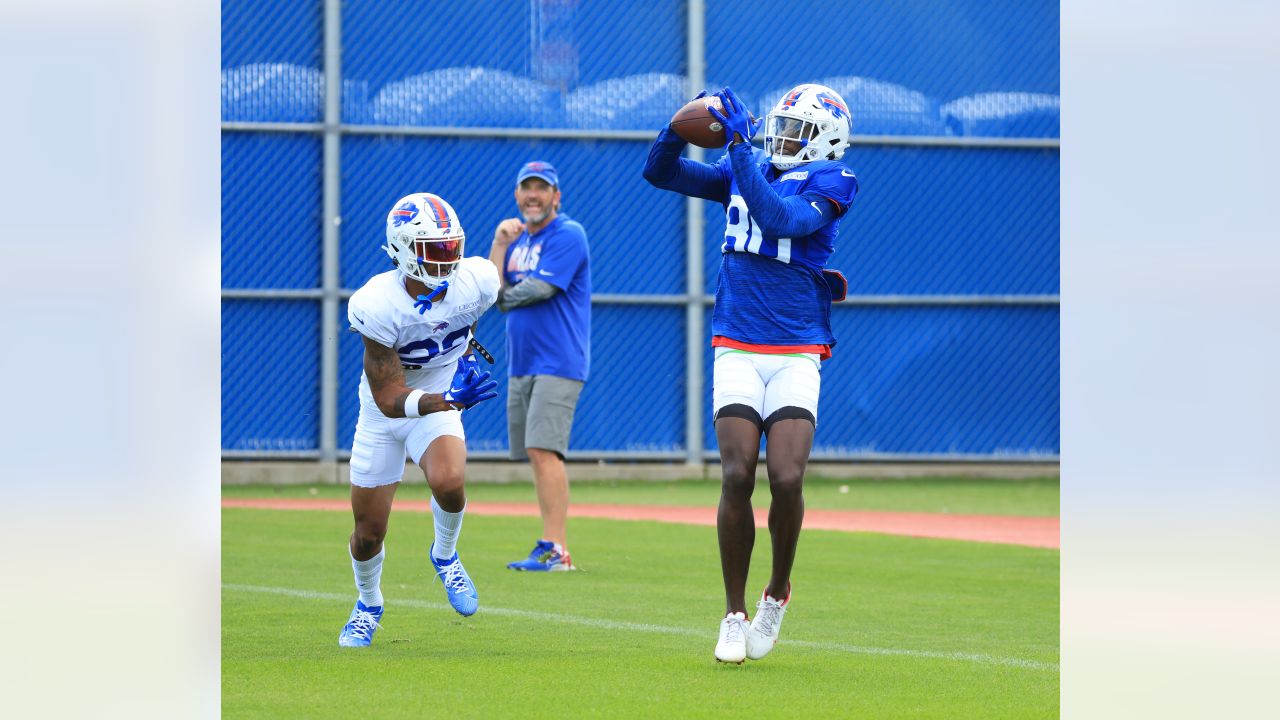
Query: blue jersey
<point>772,290</point>
<point>552,337</point>
<point>819,181</point>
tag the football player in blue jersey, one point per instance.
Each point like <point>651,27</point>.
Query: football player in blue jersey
<point>771,326</point>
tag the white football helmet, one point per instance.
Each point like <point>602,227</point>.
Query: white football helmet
<point>425,238</point>
<point>811,122</point>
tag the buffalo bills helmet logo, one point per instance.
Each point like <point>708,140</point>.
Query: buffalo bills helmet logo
<point>836,107</point>
<point>406,212</point>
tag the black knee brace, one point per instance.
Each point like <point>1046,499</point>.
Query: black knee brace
<point>788,412</point>
<point>738,410</point>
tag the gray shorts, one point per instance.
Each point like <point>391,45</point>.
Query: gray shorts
<point>540,413</point>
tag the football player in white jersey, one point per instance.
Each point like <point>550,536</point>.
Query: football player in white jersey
<point>419,374</point>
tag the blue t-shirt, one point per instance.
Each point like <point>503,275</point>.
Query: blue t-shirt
<point>552,337</point>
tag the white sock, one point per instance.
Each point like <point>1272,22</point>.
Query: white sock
<point>448,525</point>
<point>369,577</point>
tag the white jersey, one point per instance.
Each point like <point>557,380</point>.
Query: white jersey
<point>429,344</point>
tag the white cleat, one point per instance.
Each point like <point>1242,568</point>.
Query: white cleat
<point>732,645</point>
<point>763,633</point>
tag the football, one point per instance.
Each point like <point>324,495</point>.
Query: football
<point>697,126</point>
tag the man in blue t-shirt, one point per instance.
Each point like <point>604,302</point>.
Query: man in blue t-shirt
<point>546,292</point>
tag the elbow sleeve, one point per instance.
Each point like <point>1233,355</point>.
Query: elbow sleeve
<point>526,292</point>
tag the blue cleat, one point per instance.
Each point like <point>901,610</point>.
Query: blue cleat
<point>546,557</point>
<point>358,631</point>
<point>457,584</point>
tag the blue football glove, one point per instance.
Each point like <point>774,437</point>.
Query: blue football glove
<point>736,119</point>
<point>465,363</point>
<point>474,387</point>
<point>423,303</point>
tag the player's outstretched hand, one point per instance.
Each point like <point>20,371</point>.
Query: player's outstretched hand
<point>474,387</point>
<point>423,303</point>
<point>736,120</point>
<point>465,364</point>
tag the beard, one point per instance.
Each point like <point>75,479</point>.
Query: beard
<point>536,219</point>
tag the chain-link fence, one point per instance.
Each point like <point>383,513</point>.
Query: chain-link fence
<point>948,346</point>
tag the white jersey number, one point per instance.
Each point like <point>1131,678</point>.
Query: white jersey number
<point>741,234</point>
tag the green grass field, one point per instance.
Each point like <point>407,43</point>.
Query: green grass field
<point>879,626</point>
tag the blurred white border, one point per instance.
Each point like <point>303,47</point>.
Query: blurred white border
<point>109,271</point>
<point>1170,340</point>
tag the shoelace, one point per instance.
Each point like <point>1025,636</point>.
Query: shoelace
<point>733,629</point>
<point>768,614</point>
<point>363,625</point>
<point>454,578</point>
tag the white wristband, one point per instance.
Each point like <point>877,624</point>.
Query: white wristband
<point>411,404</point>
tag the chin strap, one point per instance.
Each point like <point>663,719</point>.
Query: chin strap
<point>423,304</point>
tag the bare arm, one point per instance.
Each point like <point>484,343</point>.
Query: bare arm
<point>508,230</point>
<point>386,381</point>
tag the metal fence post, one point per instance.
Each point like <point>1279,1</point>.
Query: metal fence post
<point>331,214</point>
<point>693,257</point>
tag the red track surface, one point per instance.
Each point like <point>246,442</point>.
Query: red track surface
<point>1004,529</point>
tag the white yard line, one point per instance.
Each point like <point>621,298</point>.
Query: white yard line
<point>662,629</point>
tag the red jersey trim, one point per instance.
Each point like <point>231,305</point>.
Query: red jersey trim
<point>823,351</point>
